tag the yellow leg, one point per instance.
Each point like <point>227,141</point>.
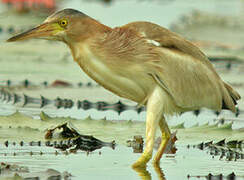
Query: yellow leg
<point>154,114</point>
<point>165,139</point>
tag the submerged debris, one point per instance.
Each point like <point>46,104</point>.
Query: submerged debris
<point>29,84</point>
<point>6,168</point>
<point>170,148</point>
<point>61,83</point>
<point>14,172</point>
<point>66,147</point>
<point>75,140</point>
<point>231,150</point>
<point>119,107</point>
<point>65,138</point>
<point>136,144</point>
<point>66,130</point>
<point>231,176</point>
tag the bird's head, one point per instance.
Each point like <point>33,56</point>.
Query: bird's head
<point>67,25</point>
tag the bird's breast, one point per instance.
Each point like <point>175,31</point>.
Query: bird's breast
<point>109,78</point>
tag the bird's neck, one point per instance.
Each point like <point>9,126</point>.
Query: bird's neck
<point>86,30</point>
<point>92,30</point>
<point>79,52</point>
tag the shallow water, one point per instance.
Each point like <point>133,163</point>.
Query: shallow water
<point>113,164</point>
<point>106,162</point>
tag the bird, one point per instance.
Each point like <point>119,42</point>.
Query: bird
<point>143,62</point>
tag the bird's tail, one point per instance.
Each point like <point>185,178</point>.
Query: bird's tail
<point>230,98</point>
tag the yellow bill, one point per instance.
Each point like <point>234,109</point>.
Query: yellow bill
<point>42,31</point>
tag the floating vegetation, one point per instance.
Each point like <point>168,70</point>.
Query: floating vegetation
<point>75,140</point>
<point>57,83</point>
<point>66,103</point>
<point>230,151</point>
<point>41,148</point>
<point>85,104</point>
<point>65,130</point>
<point>68,140</point>
<point>136,144</point>
<point>179,126</point>
<point>170,148</point>
<point>17,172</point>
<point>223,120</point>
<point>219,125</point>
<point>231,176</point>
<point>12,168</point>
<point>64,136</point>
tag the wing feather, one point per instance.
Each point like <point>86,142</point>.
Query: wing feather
<point>188,77</point>
<point>190,83</point>
<point>168,39</point>
<point>174,63</point>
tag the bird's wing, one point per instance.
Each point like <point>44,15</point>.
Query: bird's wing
<point>190,83</point>
<point>182,69</point>
<point>175,64</point>
<point>163,37</point>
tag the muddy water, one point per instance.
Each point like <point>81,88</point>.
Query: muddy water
<point>41,61</point>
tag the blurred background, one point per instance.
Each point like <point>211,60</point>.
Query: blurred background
<point>185,17</point>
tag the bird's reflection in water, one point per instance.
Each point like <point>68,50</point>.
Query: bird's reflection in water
<point>144,174</point>
<point>159,171</point>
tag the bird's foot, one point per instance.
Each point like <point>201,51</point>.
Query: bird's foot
<point>142,161</point>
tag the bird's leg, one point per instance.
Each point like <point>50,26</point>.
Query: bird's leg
<point>165,139</point>
<point>154,113</point>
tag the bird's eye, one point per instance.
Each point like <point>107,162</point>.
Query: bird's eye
<point>63,23</point>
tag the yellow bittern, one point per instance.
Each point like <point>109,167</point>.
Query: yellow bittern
<point>143,62</point>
